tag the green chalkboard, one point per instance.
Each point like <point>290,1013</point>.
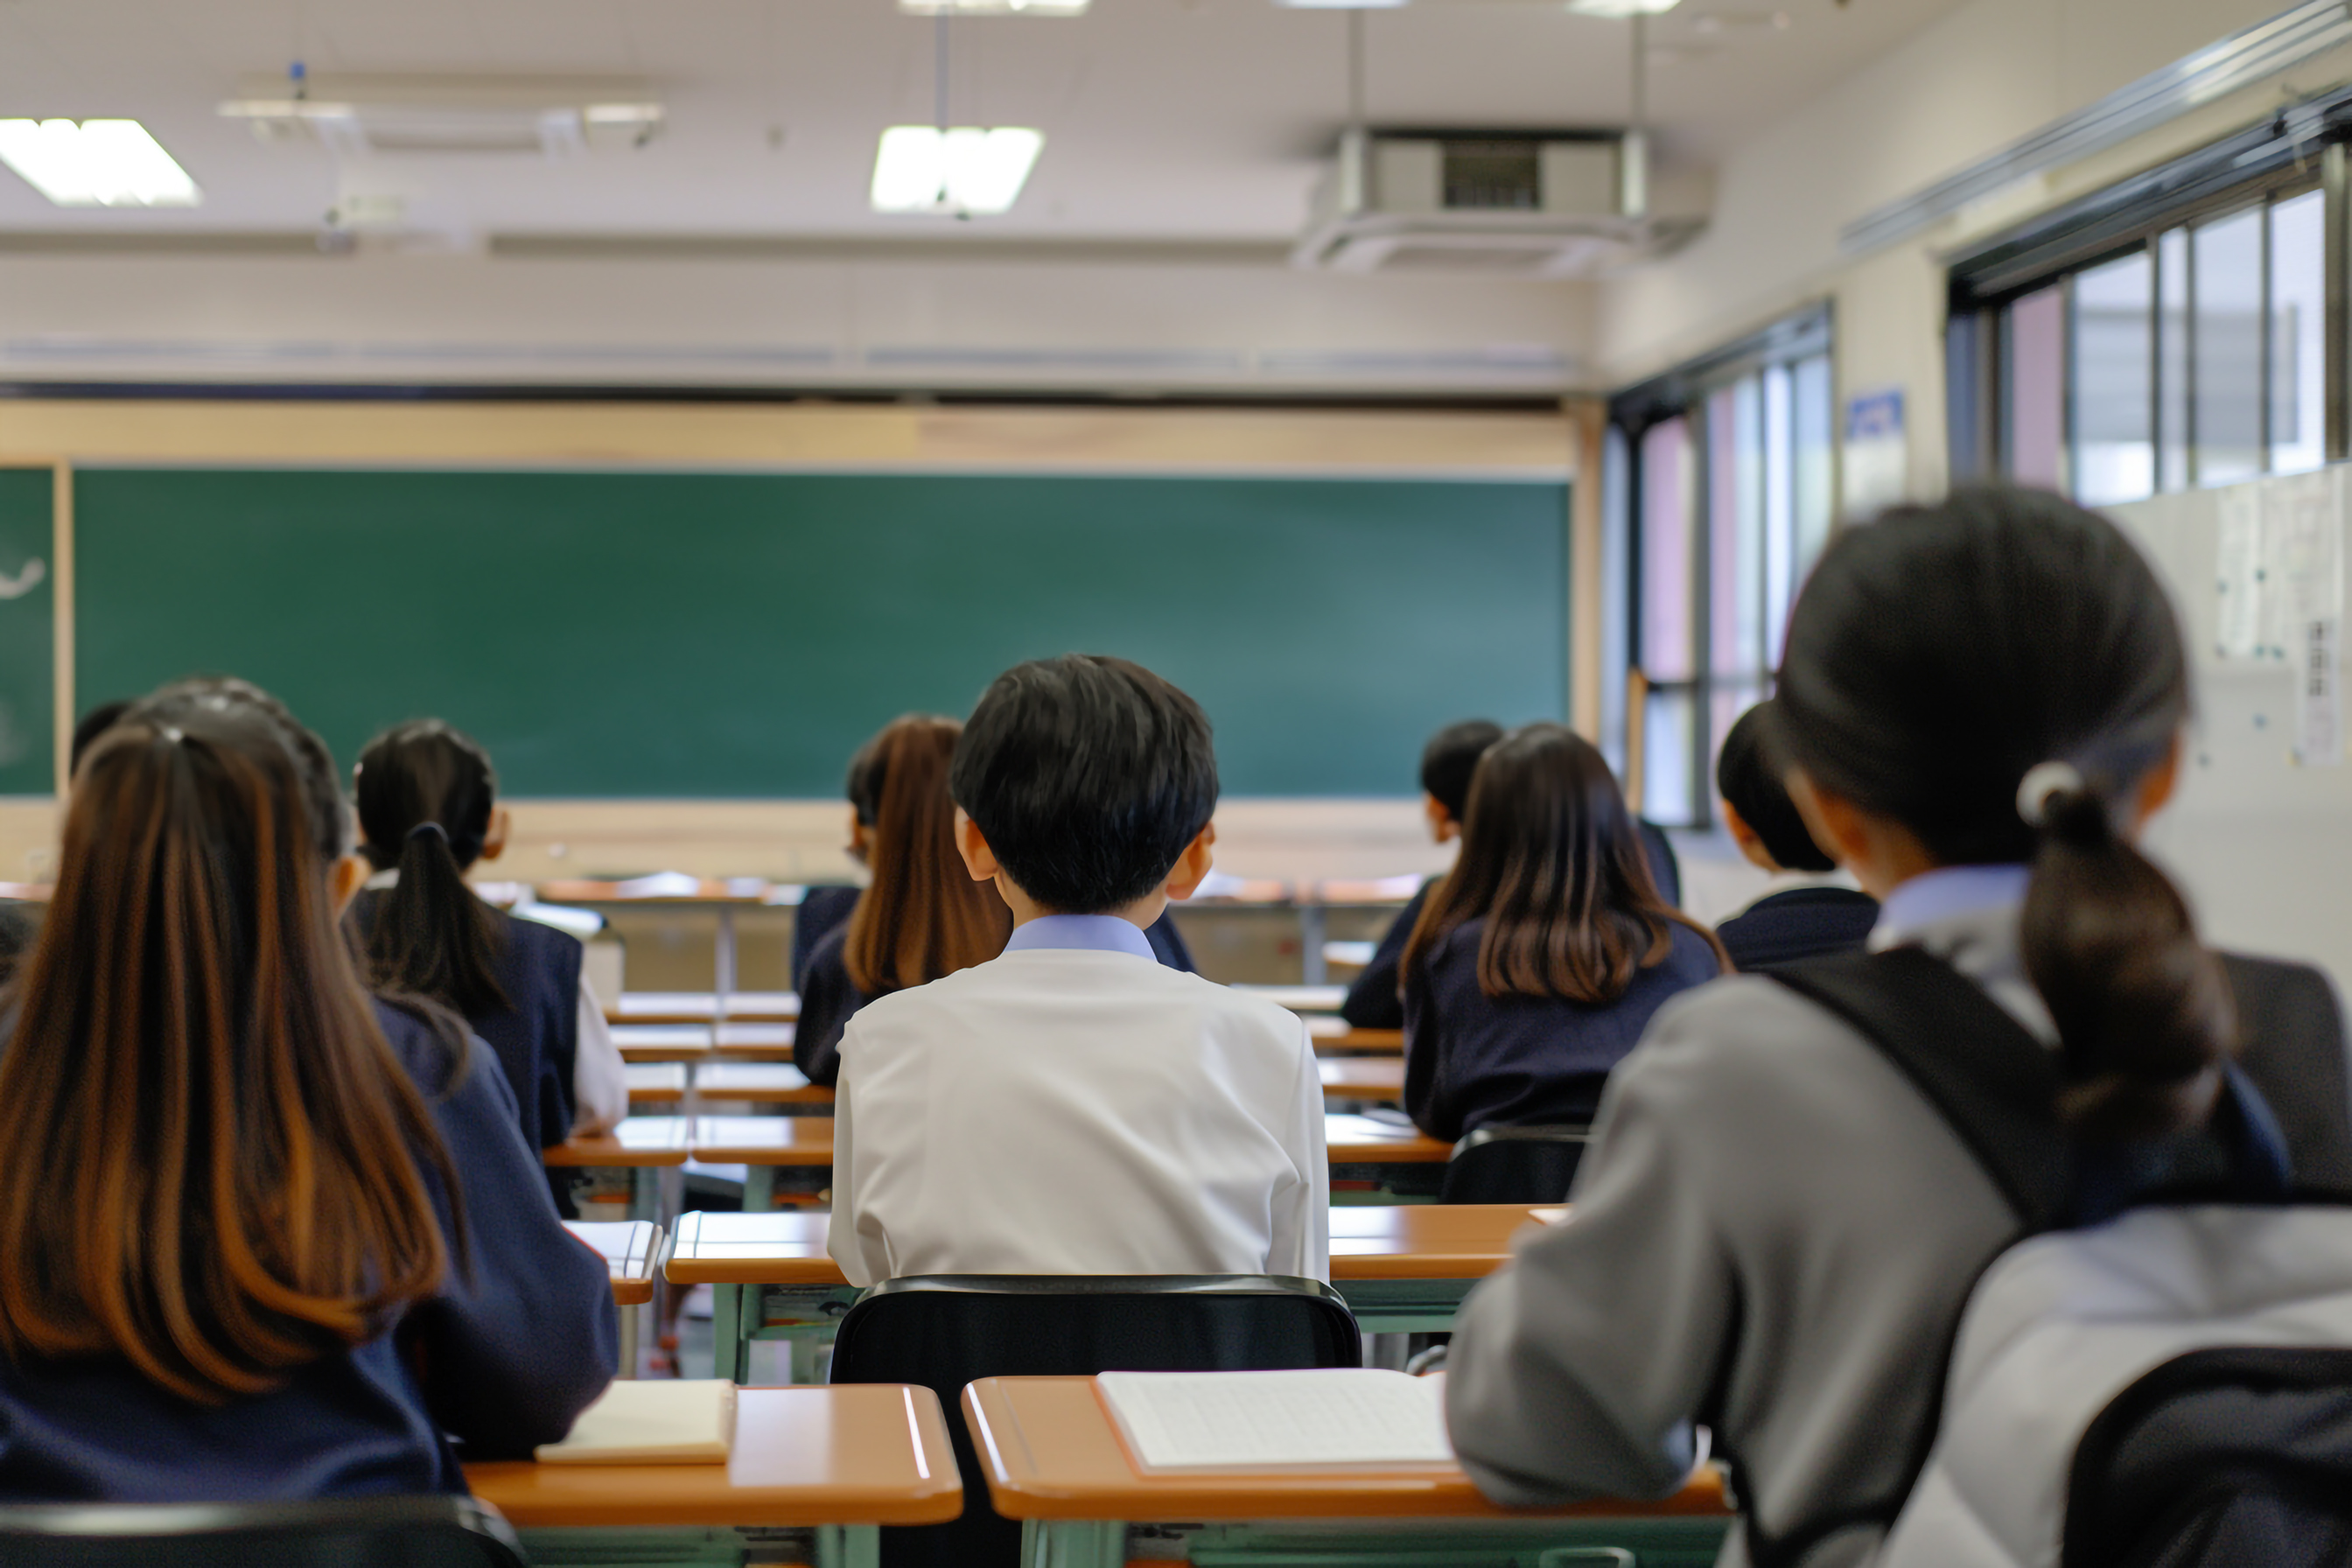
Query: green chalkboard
<point>641,634</point>
<point>27,620</point>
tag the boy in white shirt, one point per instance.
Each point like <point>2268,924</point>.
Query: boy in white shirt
<point>1073,1107</point>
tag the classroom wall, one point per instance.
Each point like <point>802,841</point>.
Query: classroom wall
<point>1989,73</point>
<point>1166,317</point>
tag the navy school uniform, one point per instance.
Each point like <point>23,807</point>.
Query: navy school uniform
<point>828,999</point>
<point>820,913</point>
<point>1800,923</point>
<point>523,1336</point>
<point>1472,1060</point>
<point>1376,1001</point>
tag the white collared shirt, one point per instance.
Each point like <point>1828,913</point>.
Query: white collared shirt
<point>1969,916</point>
<point>1073,1107</point>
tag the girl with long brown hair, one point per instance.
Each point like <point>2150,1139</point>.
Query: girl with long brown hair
<point>1539,961</point>
<point>922,917</point>
<point>267,1238</point>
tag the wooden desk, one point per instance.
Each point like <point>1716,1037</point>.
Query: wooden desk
<point>1402,1268</point>
<point>763,1144</point>
<point>649,1146</point>
<point>760,1083</point>
<point>656,1083</point>
<point>1362,1078</point>
<point>769,1042</point>
<point>1362,1141</point>
<point>633,1257</point>
<point>847,1459</point>
<point>1300,999</point>
<point>662,1042</point>
<point>705,1007</point>
<point>1053,1457</point>
<point>1358,1042</point>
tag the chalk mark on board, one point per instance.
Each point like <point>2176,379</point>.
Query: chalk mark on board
<point>24,582</point>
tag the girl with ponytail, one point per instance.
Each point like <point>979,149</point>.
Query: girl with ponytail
<point>428,811</point>
<point>266,1238</point>
<point>1775,1230</point>
<point>922,917</point>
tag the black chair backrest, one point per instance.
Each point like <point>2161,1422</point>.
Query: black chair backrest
<point>1514,1165</point>
<point>945,1330</point>
<point>437,1531</point>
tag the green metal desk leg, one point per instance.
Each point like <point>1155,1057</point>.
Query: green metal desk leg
<point>1073,1543</point>
<point>727,1346</point>
<point>759,1188</point>
<point>645,1191</point>
<point>848,1546</point>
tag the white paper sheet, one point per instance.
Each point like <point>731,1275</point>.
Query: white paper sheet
<point>1237,1420</point>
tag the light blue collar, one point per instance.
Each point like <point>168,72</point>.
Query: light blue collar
<point>1946,894</point>
<point>1092,933</point>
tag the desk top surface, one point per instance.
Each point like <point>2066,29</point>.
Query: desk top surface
<point>654,1080</point>
<point>1362,1078</point>
<point>637,1140</point>
<point>1050,1451</point>
<point>1368,1140</point>
<point>851,1453</point>
<point>704,1007</point>
<point>763,1139</point>
<point>771,1083</point>
<point>633,1254</point>
<point>1355,1042</point>
<point>1412,1241</point>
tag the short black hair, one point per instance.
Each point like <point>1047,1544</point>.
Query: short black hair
<point>1088,776</point>
<point>1747,772</point>
<point>1450,757</point>
<point>94,724</point>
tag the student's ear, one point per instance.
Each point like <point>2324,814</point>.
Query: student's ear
<point>1442,829</point>
<point>494,839</point>
<point>1192,867</point>
<point>1881,853</point>
<point>861,843</point>
<point>973,845</point>
<point>2156,789</point>
<point>344,880</point>
<point>1750,843</point>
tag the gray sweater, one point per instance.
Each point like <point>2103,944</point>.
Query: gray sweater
<point>1773,1236</point>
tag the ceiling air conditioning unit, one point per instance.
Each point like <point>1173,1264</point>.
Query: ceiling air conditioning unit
<point>1527,205</point>
<point>364,116</point>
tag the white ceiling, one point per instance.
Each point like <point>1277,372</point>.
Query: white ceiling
<point>1165,120</point>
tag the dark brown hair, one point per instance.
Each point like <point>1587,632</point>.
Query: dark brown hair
<point>425,793</point>
<point>215,1149</point>
<point>1554,863</point>
<point>1937,657</point>
<point>922,917</point>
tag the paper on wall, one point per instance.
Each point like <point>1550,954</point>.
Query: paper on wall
<point>2303,538</point>
<point>2238,573</point>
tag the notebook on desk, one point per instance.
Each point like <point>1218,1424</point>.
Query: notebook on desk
<point>653,1421</point>
<point>1335,1419</point>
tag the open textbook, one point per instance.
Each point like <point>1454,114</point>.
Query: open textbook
<point>1348,1416</point>
<point>655,1421</point>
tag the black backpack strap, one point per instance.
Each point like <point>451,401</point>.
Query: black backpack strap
<point>1995,1085</point>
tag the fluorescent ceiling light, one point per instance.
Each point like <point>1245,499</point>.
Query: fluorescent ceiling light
<point>1621,7</point>
<point>1340,5</point>
<point>994,7</point>
<point>97,163</point>
<point>921,169</point>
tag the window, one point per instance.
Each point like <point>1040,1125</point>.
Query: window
<point>2171,333</point>
<point>1726,504</point>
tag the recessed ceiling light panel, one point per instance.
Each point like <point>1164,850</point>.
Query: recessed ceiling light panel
<point>968,170</point>
<point>97,163</point>
<point>1621,7</point>
<point>994,7</point>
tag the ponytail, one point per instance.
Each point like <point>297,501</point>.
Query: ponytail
<point>2144,1011</point>
<point>425,792</point>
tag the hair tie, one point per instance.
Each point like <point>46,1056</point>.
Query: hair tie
<point>2042,783</point>
<point>435,828</point>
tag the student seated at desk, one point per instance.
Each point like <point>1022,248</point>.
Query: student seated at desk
<point>267,1239</point>
<point>1776,1231</point>
<point>825,910</point>
<point>1810,908</point>
<point>1376,1000</point>
<point>922,917</point>
<point>1541,956</point>
<point>1075,1106</point>
<point>429,810</point>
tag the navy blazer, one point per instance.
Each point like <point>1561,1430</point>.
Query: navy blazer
<point>1472,1060</point>
<point>822,910</point>
<point>828,999</point>
<point>1801,923</point>
<point>2293,1026</point>
<point>523,1336</point>
<point>17,934</point>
